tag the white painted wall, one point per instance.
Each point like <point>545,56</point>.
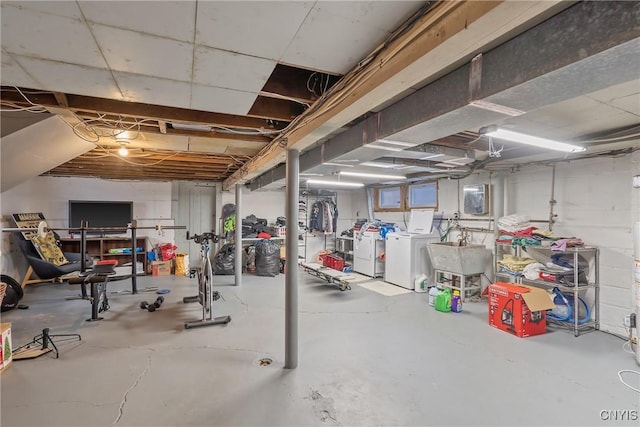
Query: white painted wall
<point>49,195</point>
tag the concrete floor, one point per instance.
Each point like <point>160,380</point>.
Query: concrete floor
<point>364,360</point>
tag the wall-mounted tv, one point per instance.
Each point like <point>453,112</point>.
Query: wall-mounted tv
<point>100,214</point>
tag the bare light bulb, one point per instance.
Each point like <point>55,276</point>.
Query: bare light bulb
<point>123,151</point>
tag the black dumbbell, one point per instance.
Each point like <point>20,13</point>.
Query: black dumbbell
<point>152,307</point>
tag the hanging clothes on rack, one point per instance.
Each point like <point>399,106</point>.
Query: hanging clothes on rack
<point>324,216</point>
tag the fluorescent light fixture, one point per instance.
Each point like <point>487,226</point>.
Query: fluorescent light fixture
<point>372,175</point>
<point>190,126</point>
<point>400,143</point>
<point>495,132</point>
<point>310,174</point>
<point>334,183</point>
<point>337,164</point>
<point>431,156</point>
<point>382,147</point>
<point>378,165</point>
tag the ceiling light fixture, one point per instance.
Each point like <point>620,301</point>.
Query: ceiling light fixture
<point>494,132</point>
<point>337,164</point>
<point>190,126</point>
<point>372,175</point>
<point>378,165</point>
<point>123,148</point>
<point>334,183</point>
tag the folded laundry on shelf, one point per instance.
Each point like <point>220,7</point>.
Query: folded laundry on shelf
<point>513,223</point>
<point>514,263</point>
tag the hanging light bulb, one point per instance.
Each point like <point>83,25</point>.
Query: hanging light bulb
<point>123,149</point>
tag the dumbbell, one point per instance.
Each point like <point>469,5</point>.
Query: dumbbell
<point>152,307</point>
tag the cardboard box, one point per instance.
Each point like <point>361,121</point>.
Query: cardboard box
<point>519,309</point>
<point>160,268</point>
<point>6,346</point>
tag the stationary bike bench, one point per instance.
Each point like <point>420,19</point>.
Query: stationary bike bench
<point>206,296</point>
<point>97,277</point>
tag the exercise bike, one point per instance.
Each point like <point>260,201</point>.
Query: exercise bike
<point>206,296</point>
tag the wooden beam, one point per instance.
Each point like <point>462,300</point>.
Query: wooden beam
<point>145,111</point>
<point>151,126</point>
<point>61,98</point>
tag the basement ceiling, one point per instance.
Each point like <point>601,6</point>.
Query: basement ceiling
<point>215,91</point>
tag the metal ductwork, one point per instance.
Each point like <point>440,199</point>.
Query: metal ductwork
<point>596,41</point>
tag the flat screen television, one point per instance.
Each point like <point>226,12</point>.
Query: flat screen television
<point>100,214</point>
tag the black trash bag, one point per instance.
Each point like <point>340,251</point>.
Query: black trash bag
<point>224,261</point>
<point>267,258</point>
<point>228,210</point>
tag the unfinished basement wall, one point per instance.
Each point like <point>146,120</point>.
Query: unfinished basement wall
<point>51,195</point>
<point>594,202</point>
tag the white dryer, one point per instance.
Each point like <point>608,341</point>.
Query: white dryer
<point>367,248</point>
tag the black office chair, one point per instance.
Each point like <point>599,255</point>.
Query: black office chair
<point>45,270</point>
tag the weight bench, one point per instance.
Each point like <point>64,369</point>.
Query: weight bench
<point>97,277</point>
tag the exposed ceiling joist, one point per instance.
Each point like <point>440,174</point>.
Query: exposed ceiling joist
<point>400,64</point>
<point>143,111</point>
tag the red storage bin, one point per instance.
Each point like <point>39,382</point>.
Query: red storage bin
<point>335,262</point>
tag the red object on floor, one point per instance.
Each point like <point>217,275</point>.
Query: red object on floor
<point>113,262</point>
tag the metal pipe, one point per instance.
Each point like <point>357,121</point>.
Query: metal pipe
<point>238,236</point>
<point>552,200</point>
<point>291,273</point>
<point>134,275</point>
<point>83,246</point>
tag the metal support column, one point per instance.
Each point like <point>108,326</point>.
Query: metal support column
<point>291,273</point>
<point>134,258</point>
<point>238,238</point>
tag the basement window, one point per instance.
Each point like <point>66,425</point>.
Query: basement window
<point>423,195</point>
<point>403,198</point>
<point>389,199</point>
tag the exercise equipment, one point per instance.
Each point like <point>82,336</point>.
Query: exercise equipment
<point>13,293</point>
<point>43,340</point>
<point>42,229</point>
<point>152,307</point>
<point>97,278</point>
<point>206,296</point>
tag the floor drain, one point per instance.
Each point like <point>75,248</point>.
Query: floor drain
<point>265,361</point>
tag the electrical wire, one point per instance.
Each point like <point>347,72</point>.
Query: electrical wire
<point>624,371</point>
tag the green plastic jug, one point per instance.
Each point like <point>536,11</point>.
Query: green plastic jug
<point>443,300</point>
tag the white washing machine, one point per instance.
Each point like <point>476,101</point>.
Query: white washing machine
<point>366,254</point>
<point>407,258</point>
